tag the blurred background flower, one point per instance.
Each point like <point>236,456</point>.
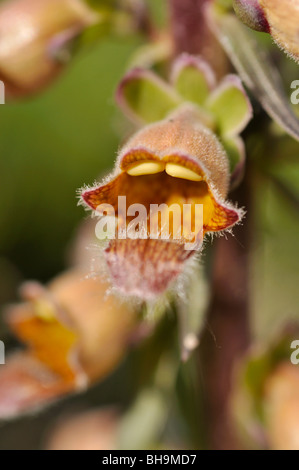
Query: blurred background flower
<point>33,33</point>
<point>265,399</point>
<point>89,430</point>
<point>75,333</point>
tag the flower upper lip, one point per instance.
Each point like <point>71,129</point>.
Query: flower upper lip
<point>158,188</point>
<point>140,156</point>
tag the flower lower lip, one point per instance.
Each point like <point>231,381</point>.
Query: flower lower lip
<point>145,268</point>
<point>172,169</point>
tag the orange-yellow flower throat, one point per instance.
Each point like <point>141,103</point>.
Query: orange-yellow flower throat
<point>172,163</point>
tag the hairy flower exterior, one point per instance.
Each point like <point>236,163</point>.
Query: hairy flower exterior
<point>280,19</point>
<point>175,161</point>
<point>283,18</point>
<point>251,13</point>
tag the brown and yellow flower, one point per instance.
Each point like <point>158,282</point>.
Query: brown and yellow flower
<point>176,161</point>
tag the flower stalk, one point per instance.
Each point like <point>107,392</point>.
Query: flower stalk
<point>192,32</point>
<point>228,312</point>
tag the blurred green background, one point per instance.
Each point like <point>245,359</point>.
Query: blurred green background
<point>52,144</point>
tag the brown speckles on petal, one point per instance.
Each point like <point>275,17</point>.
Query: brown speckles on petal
<point>145,267</point>
<point>104,194</point>
<point>223,218</point>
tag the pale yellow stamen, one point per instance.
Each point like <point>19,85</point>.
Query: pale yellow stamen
<point>44,310</point>
<point>179,171</point>
<point>145,168</point>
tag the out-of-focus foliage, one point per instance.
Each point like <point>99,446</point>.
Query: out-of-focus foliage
<point>49,145</point>
<point>274,262</point>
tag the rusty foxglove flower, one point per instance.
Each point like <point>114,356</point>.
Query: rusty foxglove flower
<point>75,334</point>
<point>31,34</point>
<point>177,160</point>
<point>278,18</point>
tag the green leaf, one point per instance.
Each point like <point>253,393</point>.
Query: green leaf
<point>143,424</point>
<point>145,421</point>
<point>274,258</point>
<point>192,313</point>
<point>231,106</point>
<point>257,72</point>
<point>145,98</point>
<point>193,78</point>
<point>235,149</point>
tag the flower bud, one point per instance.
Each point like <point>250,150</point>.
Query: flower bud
<point>276,17</point>
<point>31,32</point>
<point>251,13</point>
